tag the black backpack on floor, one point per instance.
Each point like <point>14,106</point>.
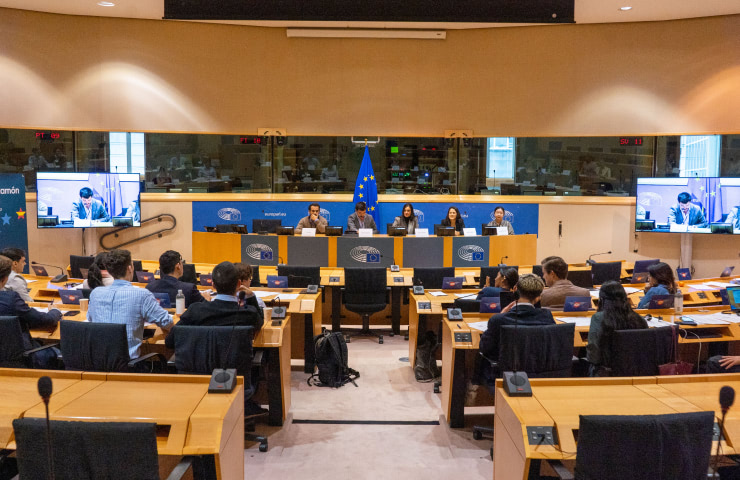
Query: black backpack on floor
<point>331,360</point>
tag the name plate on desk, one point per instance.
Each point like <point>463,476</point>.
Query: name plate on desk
<point>502,231</point>
<point>365,232</point>
<point>333,279</point>
<point>424,305</point>
<point>308,232</point>
<point>463,337</point>
<point>397,279</point>
<point>308,305</point>
<point>469,232</point>
<point>422,232</point>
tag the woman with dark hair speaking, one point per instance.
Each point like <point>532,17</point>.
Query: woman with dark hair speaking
<point>614,313</point>
<point>660,282</point>
<point>407,219</point>
<point>453,219</point>
<point>498,220</point>
<point>506,280</point>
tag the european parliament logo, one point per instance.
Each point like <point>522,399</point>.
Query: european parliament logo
<point>471,253</point>
<point>259,251</point>
<point>508,215</point>
<point>325,213</point>
<point>365,254</point>
<point>229,214</point>
<point>419,215</point>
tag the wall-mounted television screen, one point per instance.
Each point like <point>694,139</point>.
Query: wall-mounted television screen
<point>87,200</point>
<point>688,205</point>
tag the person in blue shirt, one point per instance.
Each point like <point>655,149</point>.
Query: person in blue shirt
<point>506,280</point>
<point>660,282</point>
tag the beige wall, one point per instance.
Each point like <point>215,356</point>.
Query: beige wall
<point>573,80</point>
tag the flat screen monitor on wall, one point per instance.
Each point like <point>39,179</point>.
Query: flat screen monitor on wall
<point>87,200</point>
<point>702,205</point>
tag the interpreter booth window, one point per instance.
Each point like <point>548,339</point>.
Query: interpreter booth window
<point>199,163</point>
<point>501,160</point>
<point>730,156</point>
<point>419,165</point>
<point>314,164</point>
<point>699,155</point>
<point>127,152</point>
<point>580,165</point>
<point>92,151</point>
<point>31,151</point>
<point>473,166</point>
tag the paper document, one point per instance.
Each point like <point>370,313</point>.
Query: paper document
<point>712,319</point>
<point>437,294</point>
<point>288,296</point>
<point>654,323</point>
<point>713,284</point>
<point>701,287</point>
<point>42,309</point>
<point>579,321</point>
<point>631,290</point>
<point>482,326</point>
<point>466,295</point>
<point>263,294</point>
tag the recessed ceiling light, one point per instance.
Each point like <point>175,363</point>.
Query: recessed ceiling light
<point>624,9</point>
<point>106,4</point>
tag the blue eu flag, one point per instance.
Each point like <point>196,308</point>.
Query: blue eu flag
<point>366,186</point>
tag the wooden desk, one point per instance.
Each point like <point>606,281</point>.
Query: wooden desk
<point>558,403</point>
<point>197,423</point>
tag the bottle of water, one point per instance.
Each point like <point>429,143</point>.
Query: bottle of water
<point>678,302</point>
<point>180,303</point>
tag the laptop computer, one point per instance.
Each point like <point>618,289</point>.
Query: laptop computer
<point>144,277</point>
<point>397,231</point>
<point>275,281</point>
<point>733,298</point>
<point>490,305</point>
<point>70,297</point>
<point>445,232</point>
<point>661,301</point>
<point>163,299</point>
<point>577,304</point>
<point>284,230</point>
<point>683,273</point>
<point>452,283</point>
<point>333,231</point>
<point>721,228</point>
<point>640,277</point>
<point>39,271</point>
<point>727,271</point>
<point>206,279</point>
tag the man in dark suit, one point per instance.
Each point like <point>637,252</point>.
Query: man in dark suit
<point>11,304</point>
<point>170,269</point>
<point>522,312</point>
<point>224,310</point>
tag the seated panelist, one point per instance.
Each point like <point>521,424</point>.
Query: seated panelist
<point>313,220</point>
<point>686,213</point>
<point>408,219</point>
<point>453,219</point>
<point>89,208</point>
<point>498,220</point>
<point>360,219</point>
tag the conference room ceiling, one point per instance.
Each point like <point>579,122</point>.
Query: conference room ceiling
<point>586,11</point>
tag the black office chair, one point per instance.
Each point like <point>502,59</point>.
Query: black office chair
<point>537,270</point>
<point>431,277</point>
<point>102,347</point>
<point>122,450</point>
<point>13,353</point>
<point>642,265</point>
<point>637,353</point>
<point>581,278</point>
<point>300,276</point>
<point>467,305</point>
<point>365,292</point>
<point>256,281</point>
<point>76,262</point>
<point>199,350</point>
<point>542,351</point>
<point>603,272</point>
<point>189,274</point>
<point>642,447</point>
<point>492,272</point>
<point>138,267</point>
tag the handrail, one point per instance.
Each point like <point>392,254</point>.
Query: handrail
<point>159,233</point>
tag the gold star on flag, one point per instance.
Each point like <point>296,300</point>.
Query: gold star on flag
<point>372,208</point>
<point>372,177</point>
<point>360,195</point>
<point>362,186</point>
<point>364,179</point>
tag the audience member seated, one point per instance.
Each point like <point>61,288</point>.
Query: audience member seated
<point>170,269</point>
<point>723,364</point>
<point>360,219</point>
<point>124,303</point>
<point>408,219</point>
<point>660,282</point>
<point>506,280</point>
<point>16,282</point>
<point>614,313</point>
<point>224,309</point>
<point>313,220</point>
<point>245,273</point>
<point>521,312</point>
<point>97,274</point>
<point>163,177</point>
<point>555,273</point>
<point>11,304</point>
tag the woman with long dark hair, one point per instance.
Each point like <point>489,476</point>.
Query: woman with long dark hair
<point>453,219</point>
<point>505,280</point>
<point>614,313</point>
<point>660,282</point>
<point>407,219</point>
<point>97,275</point>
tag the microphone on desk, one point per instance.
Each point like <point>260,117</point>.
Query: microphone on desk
<point>394,267</point>
<point>223,380</point>
<point>279,311</point>
<point>516,384</point>
<point>62,277</point>
<point>501,262</point>
<point>45,389</point>
<point>726,399</point>
<point>591,262</point>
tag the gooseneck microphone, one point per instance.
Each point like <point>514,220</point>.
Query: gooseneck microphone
<point>62,277</point>
<point>726,399</point>
<point>591,262</point>
<point>45,389</point>
<point>501,262</point>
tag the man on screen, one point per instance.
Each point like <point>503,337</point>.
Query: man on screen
<point>686,213</point>
<point>89,208</point>
<point>733,218</point>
